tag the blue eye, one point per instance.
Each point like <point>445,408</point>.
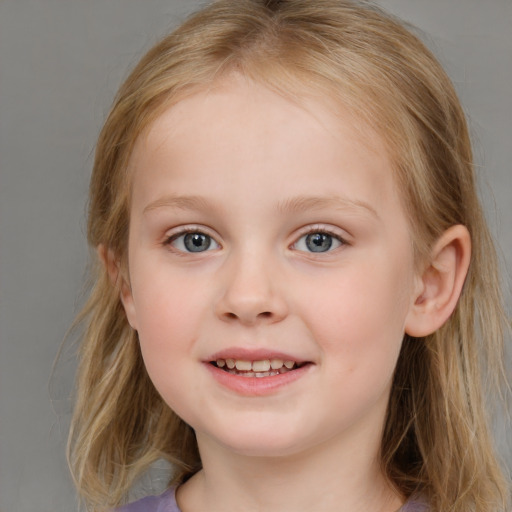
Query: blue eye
<point>193,242</point>
<point>318,241</point>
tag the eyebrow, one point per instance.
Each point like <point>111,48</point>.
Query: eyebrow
<point>304,203</point>
<point>181,202</point>
<point>292,205</point>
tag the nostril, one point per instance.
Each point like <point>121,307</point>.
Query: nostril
<point>263,314</point>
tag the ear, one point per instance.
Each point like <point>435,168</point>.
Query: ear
<point>119,281</point>
<point>440,284</point>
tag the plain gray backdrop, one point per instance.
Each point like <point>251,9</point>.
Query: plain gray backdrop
<point>61,62</point>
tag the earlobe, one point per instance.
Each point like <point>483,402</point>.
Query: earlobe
<point>441,282</point>
<point>118,280</point>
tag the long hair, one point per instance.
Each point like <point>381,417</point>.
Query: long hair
<point>436,440</point>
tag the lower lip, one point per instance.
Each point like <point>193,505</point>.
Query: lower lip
<point>256,386</point>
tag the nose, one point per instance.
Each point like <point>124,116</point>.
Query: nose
<point>251,292</point>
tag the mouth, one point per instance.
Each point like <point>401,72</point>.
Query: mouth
<point>256,369</point>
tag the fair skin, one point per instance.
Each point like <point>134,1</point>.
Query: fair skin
<point>269,234</point>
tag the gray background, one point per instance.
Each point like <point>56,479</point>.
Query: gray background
<point>60,65</point>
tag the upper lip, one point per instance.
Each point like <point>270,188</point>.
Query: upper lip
<point>245,354</point>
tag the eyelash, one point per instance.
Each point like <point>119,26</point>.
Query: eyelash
<point>314,230</point>
<point>321,231</point>
<point>183,233</point>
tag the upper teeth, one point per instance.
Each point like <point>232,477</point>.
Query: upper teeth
<point>256,366</point>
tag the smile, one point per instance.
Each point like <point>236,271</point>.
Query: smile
<point>261,368</point>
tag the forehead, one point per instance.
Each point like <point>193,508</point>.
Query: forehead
<point>203,103</point>
<point>242,127</point>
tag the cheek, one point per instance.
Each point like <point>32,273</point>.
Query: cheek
<point>359,316</point>
<point>167,312</point>
<point>167,333</point>
<point>165,301</point>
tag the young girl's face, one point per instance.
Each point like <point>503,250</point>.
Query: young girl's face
<point>268,236</point>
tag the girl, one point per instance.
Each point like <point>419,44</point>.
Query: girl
<point>297,301</point>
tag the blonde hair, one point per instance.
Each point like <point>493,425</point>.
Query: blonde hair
<point>436,440</point>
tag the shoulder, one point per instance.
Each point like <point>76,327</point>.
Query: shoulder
<point>166,502</point>
<point>415,505</point>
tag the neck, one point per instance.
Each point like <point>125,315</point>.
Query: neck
<point>349,479</point>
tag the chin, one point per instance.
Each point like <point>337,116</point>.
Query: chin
<point>252,443</point>
<point>264,449</point>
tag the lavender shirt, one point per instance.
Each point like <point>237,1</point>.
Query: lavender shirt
<point>166,502</point>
